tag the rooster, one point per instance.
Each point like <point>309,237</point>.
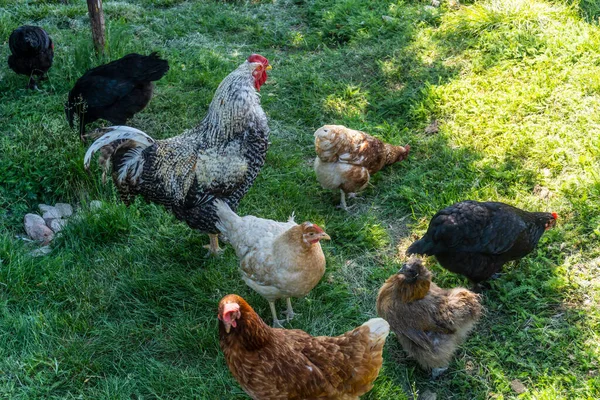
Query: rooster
<point>346,158</point>
<point>114,91</point>
<point>430,322</point>
<point>476,239</point>
<point>280,364</point>
<point>277,259</point>
<point>220,158</point>
<point>32,52</point>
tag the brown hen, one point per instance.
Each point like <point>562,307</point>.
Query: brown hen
<point>280,364</point>
<point>430,322</point>
<point>346,158</point>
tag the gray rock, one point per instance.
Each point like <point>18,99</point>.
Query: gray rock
<point>95,205</point>
<point>518,386</point>
<point>44,207</point>
<point>51,213</point>
<point>32,219</point>
<point>42,251</point>
<point>64,209</point>
<point>57,224</point>
<point>428,395</point>
<point>36,228</point>
<point>435,3</point>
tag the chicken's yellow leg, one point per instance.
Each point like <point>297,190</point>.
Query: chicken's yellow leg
<point>276,322</point>
<point>213,247</point>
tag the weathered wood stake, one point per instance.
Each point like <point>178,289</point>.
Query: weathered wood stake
<point>97,21</point>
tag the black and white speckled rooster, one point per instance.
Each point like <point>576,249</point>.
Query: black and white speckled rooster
<point>32,52</point>
<point>218,159</point>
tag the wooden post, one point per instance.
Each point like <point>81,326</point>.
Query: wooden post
<point>97,21</point>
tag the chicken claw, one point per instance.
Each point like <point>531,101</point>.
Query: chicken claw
<point>437,372</point>
<point>277,323</point>
<point>213,247</point>
<point>289,313</point>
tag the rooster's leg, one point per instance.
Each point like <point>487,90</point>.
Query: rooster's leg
<point>276,322</point>
<point>290,314</point>
<point>213,247</point>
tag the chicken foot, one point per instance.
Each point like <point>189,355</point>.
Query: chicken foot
<point>213,247</point>
<point>437,372</point>
<point>289,313</point>
<point>276,322</point>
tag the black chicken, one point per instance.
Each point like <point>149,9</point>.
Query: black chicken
<point>476,239</point>
<point>114,91</point>
<point>32,52</point>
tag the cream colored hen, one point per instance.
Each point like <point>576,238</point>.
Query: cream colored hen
<point>346,158</point>
<point>279,260</point>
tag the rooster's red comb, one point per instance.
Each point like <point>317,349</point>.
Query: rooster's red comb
<point>257,58</point>
<point>554,215</point>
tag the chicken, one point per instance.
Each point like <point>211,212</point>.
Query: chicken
<point>278,364</point>
<point>476,239</point>
<point>277,259</point>
<point>219,158</point>
<point>346,158</point>
<point>430,322</point>
<point>32,52</point>
<point>114,91</point>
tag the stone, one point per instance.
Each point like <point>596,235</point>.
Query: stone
<point>41,251</point>
<point>433,127</point>
<point>51,213</point>
<point>65,209</point>
<point>95,205</point>
<point>57,225</point>
<point>36,228</point>
<point>427,395</point>
<point>44,207</point>
<point>435,3</point>
<point>518,387</point>
<point>387,18</point>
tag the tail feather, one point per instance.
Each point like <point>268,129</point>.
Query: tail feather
<point>128,143</point>
<point>113,134</point>
<point>421,246</point>
<point>227,218</point>
<point>379,329</point>
<point>150,68</point>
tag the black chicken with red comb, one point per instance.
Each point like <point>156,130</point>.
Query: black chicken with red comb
<point>476,239</point>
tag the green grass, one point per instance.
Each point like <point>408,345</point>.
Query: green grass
<point>125,305</point>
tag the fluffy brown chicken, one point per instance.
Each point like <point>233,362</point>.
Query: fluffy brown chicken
<point>346,158</point>
<point>430,322</point>
<point>277,259</point>
<point>289,364</point>
<point>218,159</point>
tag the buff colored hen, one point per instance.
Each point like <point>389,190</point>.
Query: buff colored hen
<point>279,260</point>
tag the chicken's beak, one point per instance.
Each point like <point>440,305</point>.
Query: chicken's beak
<point>324,236</point>
<point>268,68</point>
<point>227,327</point>
<point>403,269</point>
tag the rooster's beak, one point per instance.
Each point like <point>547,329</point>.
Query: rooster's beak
<point>268,68</point>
